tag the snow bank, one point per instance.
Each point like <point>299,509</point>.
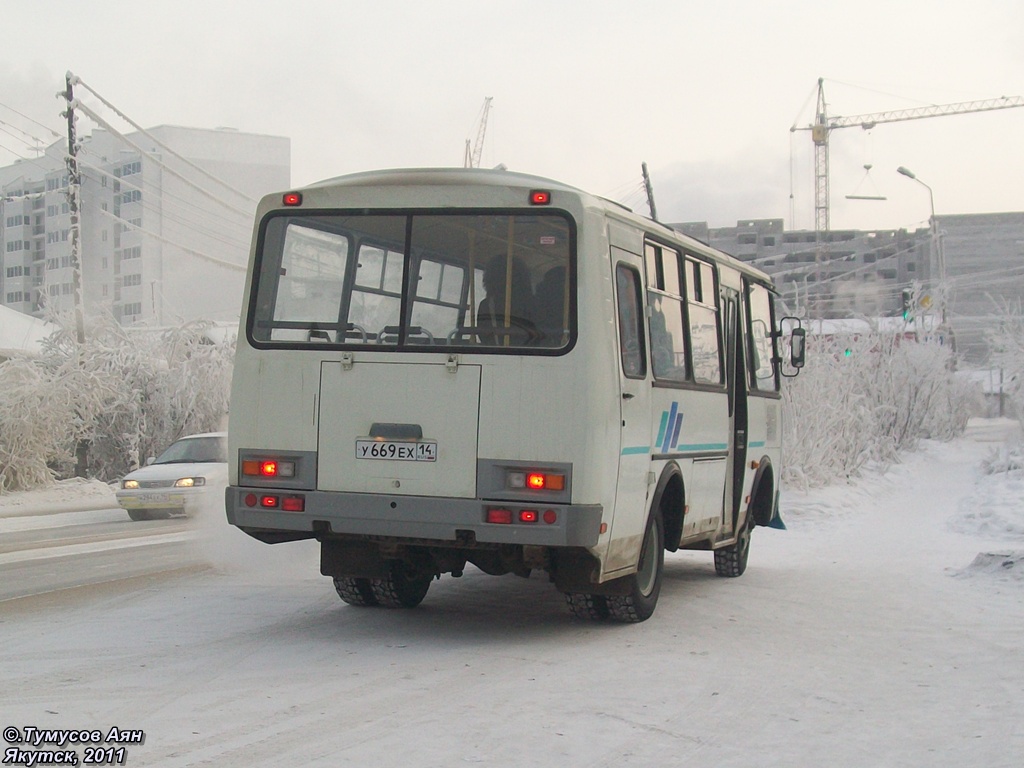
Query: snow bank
<point>1005,566</point>
<point>64,496</point>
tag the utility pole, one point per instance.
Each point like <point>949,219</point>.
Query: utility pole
<point>74,196</point>
<point>650,191</point>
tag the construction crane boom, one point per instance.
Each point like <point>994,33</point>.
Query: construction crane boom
<point>474,153</point>
<point>867,122</point>
<point>824,125</point>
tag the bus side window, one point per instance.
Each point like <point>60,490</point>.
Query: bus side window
<point>631,332</point>
<point>762,369</point>
<point>668,341</point>
<point>703,313</point>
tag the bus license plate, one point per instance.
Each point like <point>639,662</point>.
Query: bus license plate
<point>397,450</point>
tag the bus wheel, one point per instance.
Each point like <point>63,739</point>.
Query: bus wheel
<point>354,591</point>
<point>398,589</point>
<point>584,606</point>
<point>645,584</point>
<point>731,561</point>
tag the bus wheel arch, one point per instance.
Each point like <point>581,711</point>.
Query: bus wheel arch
<point>670,501</point>
<point>761,508</point>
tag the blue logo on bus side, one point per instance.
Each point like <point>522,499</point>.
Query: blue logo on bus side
<point>671,425</point>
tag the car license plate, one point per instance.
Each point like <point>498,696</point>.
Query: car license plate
<point>397,450</point>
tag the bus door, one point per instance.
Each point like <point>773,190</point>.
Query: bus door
<point>634,413</point>
<point>736,381</point>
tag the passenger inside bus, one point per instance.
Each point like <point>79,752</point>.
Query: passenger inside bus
<point>508,304</point>
<point>549,307</point>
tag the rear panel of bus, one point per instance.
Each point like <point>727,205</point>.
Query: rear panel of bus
<point>393,379</point>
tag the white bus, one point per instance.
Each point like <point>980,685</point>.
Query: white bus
<point>442,367</point>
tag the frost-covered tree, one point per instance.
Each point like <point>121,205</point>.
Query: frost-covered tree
<point>124,394</point>
<point>867,397</point>
<point>1006,340</point>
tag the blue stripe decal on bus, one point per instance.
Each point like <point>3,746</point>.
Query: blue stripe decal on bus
<point>634,450</point>
<point>662,428</point>
<point>670,427</point>
<point>703,447</point>
<point>757,444</point>
<point>675,432</point>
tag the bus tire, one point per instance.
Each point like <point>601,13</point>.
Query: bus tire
<point>355,591</point>
<point>644,586</point>
<point>731,561</point>
<point>139,514</point>
<point>398,589</point>
<point>584,606</point>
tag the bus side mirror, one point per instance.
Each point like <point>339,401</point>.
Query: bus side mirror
<point>797,348</point>
<point>797,345</point>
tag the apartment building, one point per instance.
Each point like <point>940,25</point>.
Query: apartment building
<point>165,223</point>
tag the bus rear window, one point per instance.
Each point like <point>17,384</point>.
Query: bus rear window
<point>482,280</point>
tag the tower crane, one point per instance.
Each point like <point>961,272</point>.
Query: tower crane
<point>823,125</point>
<point>474,153</point>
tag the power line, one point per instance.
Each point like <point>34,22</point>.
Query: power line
<point>158,161</point>
<point>183,248</point>
<point>186,206</point>
<point>32,160</point>
<point>77,80</point>
<point>41,125</point>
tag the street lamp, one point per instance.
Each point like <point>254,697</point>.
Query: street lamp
<point>936,246</point>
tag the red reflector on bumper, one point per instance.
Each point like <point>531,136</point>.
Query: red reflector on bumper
<point>293,503</point>
<point>503,516</point>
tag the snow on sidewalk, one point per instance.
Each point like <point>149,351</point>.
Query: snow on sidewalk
<point>72,495</point>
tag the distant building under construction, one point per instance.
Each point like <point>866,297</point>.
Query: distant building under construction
<point>856,273</point>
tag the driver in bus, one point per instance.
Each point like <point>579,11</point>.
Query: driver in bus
<point>508,303</point>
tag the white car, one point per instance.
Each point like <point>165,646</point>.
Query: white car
<point>190,474</point>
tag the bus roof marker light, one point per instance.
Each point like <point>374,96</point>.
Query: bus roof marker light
<point>292,198</point>
<point>540,197</point>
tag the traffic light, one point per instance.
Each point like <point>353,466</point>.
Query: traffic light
<point>908,303</point>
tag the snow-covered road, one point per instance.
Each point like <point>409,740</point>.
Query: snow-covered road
<point>860,636</point>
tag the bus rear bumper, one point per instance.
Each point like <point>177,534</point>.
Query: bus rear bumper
<point>432,518</point>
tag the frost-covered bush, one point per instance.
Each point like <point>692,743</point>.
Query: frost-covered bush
<point>1006,340</point>
<point>40,423</point>
<point>867,397</point>
<point>123,395</point>
<point>1005,460</point>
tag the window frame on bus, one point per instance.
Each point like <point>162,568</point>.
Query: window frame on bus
<point>262,303</point>
<point>751,351</point>
<point>631,329</point>
<point>659,283</point>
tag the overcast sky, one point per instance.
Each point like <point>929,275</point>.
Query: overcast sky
<point>583,91</point>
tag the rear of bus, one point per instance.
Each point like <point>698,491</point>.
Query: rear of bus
<point>411,387</point>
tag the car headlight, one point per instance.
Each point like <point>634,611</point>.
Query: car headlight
<point>189,482</point>
<point>129,485</point>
